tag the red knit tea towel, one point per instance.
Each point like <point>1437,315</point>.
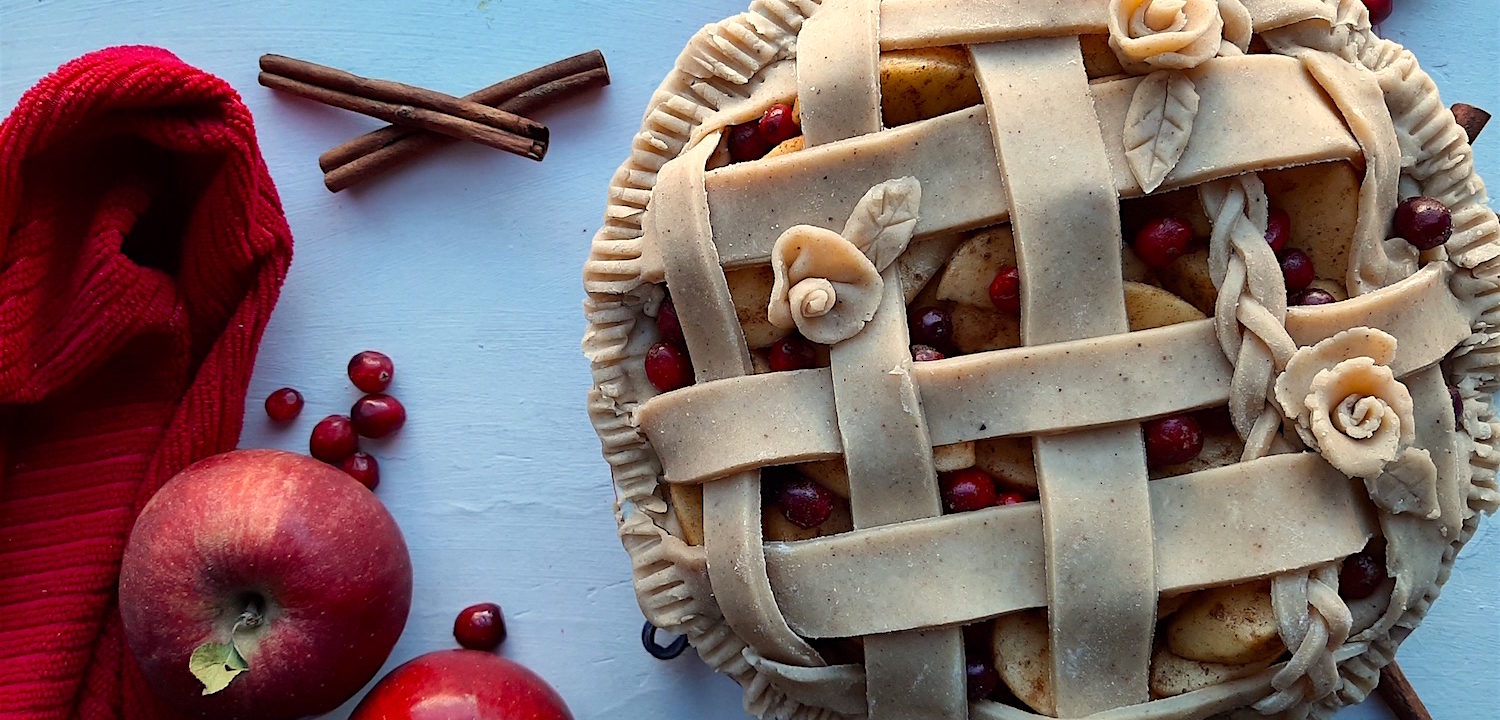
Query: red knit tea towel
<point>142,247</point>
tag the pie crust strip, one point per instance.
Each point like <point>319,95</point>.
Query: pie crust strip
<point>838,71</point>
<point>864,582</point>
<point>987,395</point>
<point>1096,513</point>
<point>731,506</point>
<point>928,23</point>
<point>752,203</point>
<point>918,673</point>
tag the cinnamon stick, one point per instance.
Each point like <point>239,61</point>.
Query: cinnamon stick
<point>1471,119</point>
<point>590,64</point>
<point>1398,693</point>
<point>454,127</point>
<point>400,94</point>
<point>376,151</point>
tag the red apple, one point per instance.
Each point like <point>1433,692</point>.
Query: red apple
<point>271,563</point>
<point>461,685</point>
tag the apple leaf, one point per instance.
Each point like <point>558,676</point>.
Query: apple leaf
<point>215,665</point>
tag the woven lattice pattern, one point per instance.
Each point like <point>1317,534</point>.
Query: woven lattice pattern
<point>1102,544</point>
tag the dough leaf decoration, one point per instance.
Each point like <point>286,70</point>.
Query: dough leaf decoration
<point>1408,485</point>
<point>1159,125</point>
<point>883,221</point>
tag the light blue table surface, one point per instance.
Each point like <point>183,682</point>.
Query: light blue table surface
<point>465,267</point>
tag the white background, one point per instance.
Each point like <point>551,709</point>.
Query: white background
<point>465,267</point>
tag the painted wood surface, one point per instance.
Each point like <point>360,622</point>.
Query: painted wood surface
<point>465,267</point>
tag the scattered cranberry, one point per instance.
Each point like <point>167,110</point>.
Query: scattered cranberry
<point>378,415</point>
<point>983,679</point>
<point>1361,575</point>
<point>1297,268</point>
<point>926,353</point>
<point>362,467</point>
<point>932,326</point>
<point>1005,290</point>
<point>1278,229</point>
<point>668,368</point>
<point>1380,10</point>
<point>1011,498</point>
<point>805,503</point>
<point>746,142</point>
<point>667,325</point>
<point>284,404</point>
<point>1314,296</point>
<point>968,489</point>
<point>778,126</point>
<point>1458,404</point>
<point>1161,241</point>
<point>792,352</point>
<point>1172,440</point>
<point>1424,222</point>
<point>371,371</point>
<point>333,439</point>
<point>480,627</point>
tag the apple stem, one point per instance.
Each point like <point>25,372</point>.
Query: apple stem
<point>251,617</point>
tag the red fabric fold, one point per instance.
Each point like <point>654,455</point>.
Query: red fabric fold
<point>142,247</point>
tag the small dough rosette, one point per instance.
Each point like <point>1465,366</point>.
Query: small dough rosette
<point>1346,402</point>
<point>825,286</point>
<point>1152,35</point>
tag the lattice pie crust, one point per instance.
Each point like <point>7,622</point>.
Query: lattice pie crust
<point>1344,411</point>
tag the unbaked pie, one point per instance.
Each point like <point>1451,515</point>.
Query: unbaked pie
<point>1018,358</point>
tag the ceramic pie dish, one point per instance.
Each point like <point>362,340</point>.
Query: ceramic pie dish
<point>1015,359</point>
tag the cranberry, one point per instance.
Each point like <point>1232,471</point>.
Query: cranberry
<point>1172,440</point>
<point>1005,290</point>
<point>362,467</point>
<point>333,439</point>
<point>1458,404</point>
<point>793,352</point>
<point>968,489</point>
<point>480,627</point>
<point>1297,268</point>
<point>371,371</point>
<point>378,415</point>
<point>777,125</point>
<point>1424,222</point>
<point>746,142</point>
<point>806,503</point>
<point>983,679</point>
<point>1361,575</point>
<point>1314,296</point>
<point>667,325</point>
<point>932,326</point>
<point>1380,10</point>
<point>926,353</point>
<point>668,367</point>
<point>1161,241</point>
<point>1011,498</point>
<point>284,404</point>
<point>1278,229</point>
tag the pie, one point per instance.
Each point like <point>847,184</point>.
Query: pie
<point>1027,358</point>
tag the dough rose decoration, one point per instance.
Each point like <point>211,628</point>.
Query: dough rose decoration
<point>1152,35</point>
<point>828,284</point>
<point>1345,402</point>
